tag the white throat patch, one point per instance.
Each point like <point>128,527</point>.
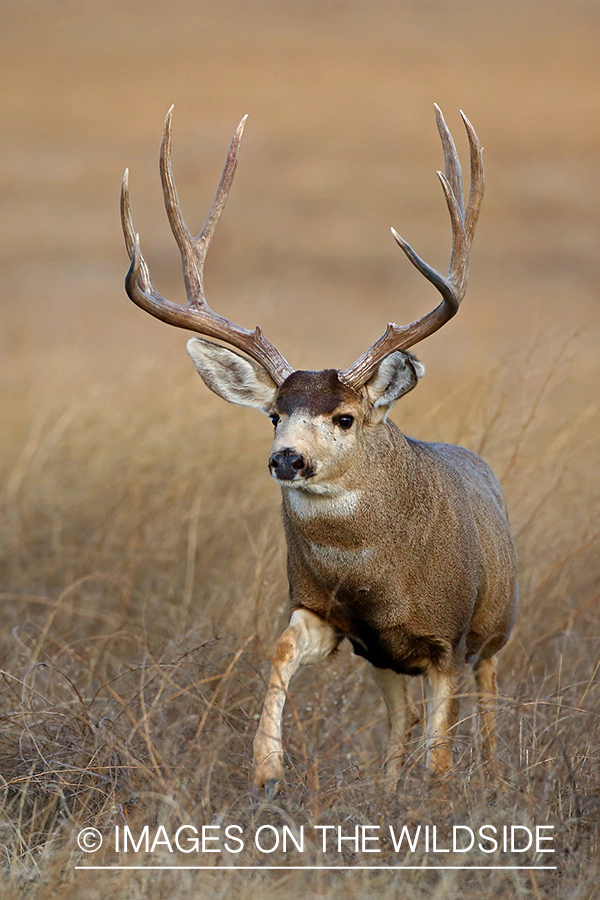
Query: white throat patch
<point>323,500</point>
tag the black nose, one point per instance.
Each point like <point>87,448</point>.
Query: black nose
<point>286,464</point>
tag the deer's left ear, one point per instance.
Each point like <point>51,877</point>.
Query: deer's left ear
<point>396,375</point>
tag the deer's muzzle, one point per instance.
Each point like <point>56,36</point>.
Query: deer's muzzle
<point>285,465</point>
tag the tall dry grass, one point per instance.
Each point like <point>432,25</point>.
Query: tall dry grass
<point>142,562</point>
<point>144,574</point>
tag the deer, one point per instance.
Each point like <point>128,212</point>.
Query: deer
<point>403,547</point>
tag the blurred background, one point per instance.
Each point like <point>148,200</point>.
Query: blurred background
<point>138,510</point>
<point>340,144</point>
<point>101,401</point>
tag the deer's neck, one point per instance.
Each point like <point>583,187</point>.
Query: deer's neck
<point>380,468</point>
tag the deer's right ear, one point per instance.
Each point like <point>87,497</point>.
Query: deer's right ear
<point>232,376</point>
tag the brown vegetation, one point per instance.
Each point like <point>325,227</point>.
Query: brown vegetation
<point>142,568</point>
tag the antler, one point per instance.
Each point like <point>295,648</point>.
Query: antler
<point>453,287</point>
<point>197,316</point>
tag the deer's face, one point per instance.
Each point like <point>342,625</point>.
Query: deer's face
<point>319,421</point>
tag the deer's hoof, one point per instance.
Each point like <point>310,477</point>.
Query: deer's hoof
<point>266,789</point>
<point>271,788</point>
<point>268,777</point>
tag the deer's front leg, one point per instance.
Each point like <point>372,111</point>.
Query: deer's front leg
<point>306,640</point>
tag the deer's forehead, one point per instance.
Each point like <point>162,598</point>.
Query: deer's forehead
<point>317,393</point>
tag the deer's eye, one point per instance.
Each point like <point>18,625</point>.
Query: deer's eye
<point>345,422</point>
<point>274,419</point>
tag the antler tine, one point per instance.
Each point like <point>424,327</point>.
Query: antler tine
<point>139,273</point>
<point>451,161</point>
<point>453,286</point>
<point>126,219</point>
<point>138,283</point>
<point>206,235</point>
<point>197,316</point>
<point>193,250</point>
<point>477,180</point>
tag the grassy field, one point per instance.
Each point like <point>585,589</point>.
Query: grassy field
<point>142,568</point>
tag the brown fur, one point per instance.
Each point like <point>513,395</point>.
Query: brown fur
<point>319,393</point>
<point>403,547</point>
<point>441,582</point>
<point>419,571</point>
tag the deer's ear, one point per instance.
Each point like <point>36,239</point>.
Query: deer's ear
<point>396,375</point>
<point>232,376</point>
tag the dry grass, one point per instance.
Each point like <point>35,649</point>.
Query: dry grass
<point>139,603</point>
<point>142,560</point>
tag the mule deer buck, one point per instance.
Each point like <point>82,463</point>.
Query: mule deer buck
<point>402,546</point>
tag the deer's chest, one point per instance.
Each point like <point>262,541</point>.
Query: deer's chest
<point>332,539</point>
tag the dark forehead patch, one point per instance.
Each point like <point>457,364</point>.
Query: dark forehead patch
<point>319,393</point>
